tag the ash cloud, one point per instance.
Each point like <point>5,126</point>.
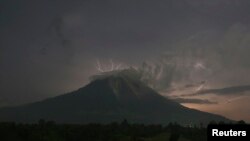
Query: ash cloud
<point>193,101</point>
<point>234,90</point>
<point>198,40</point>
<point>218,57</point>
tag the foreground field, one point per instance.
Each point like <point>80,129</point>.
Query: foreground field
<point>50,131</point>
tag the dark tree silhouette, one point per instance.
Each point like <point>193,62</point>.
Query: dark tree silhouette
<point>241,122</point>
<point>174,137</point>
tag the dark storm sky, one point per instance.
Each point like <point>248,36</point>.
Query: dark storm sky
<point>50,47</point>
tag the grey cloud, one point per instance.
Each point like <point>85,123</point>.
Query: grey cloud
<point>217,57</point>
<point>194,101</point>
<point>234,90</point>
<point>187,32</point>
<point>159,76</point>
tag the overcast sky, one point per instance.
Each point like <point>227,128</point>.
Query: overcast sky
<point>50,47</point>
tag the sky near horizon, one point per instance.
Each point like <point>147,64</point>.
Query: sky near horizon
<point>196,51</point>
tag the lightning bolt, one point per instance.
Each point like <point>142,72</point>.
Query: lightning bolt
<point>112,66</point>
<point>234,99</point>
<point>99,66</point>
<point>199,88</point>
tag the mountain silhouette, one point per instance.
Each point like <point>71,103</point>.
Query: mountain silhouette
<point>110,97</point>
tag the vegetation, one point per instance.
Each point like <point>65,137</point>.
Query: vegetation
<point>50,131</point>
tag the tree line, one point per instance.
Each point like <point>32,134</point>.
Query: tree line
<point>123,131</point>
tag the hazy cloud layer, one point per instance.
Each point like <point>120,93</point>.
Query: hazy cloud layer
<point>194,101</point>
<point>219,59</point>
<point>50,47</point>
<point>234,90</point>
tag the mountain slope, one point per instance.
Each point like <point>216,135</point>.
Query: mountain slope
<point>110,97</point>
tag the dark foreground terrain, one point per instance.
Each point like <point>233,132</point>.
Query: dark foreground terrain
<point>123,131</point>
<point>50,131</point>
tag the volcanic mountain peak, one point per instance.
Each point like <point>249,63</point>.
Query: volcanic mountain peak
<point>124,84</point>
<point>110,97</point>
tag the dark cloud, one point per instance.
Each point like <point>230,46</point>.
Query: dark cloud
<point>234,90</point>
<point>194,101</point>
<point>3,102</point>
<point>159,76</point>
<point>48,45</point>
<point>218,58</point>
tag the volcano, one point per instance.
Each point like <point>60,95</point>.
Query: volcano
<point>110,97</point>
